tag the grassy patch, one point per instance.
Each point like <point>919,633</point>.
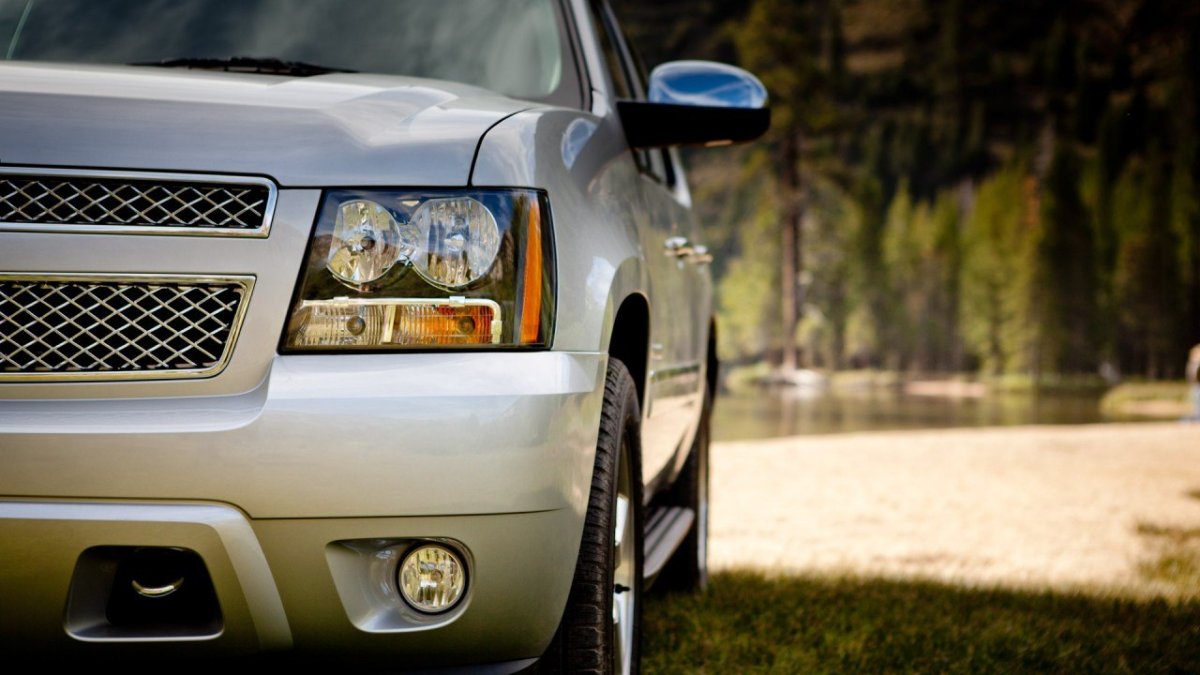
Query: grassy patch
<point>743,377</point>
<point>1167,400</point>
<point>1014,383</point>
<point>854,380</point>
<point>1178,567</point>
<point>1178,535</point>
<point>748,622</point>
<point>1175,559</point>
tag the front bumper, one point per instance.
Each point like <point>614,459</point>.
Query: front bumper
<point>493,451</point>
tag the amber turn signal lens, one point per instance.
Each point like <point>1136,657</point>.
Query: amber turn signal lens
<point>445,325</point>
<point>531,296</point>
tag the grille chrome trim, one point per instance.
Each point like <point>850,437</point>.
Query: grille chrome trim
<point>136,177</point>
<point>243,282</point>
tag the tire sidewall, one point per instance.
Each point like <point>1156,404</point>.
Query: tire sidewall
<point>586,640</point>
<point>629,456</point>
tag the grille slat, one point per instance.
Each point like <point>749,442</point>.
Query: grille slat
<point>191,206</point>
<point>71,328</point>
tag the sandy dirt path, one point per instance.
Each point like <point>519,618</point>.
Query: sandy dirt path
<point>1023,506</point>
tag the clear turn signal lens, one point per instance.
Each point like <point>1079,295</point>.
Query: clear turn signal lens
<point>348,322</point>
<point>459,240</point>
<point>432,579</point>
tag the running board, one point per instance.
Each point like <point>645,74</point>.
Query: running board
<point>665,531</point>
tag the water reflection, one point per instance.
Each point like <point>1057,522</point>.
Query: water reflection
<point>769,412</point>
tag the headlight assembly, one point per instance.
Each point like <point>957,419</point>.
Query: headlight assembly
<point>430,269</point>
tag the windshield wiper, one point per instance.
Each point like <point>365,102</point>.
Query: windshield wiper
<point>248,64</point>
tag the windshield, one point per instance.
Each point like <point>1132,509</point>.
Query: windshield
<point>515,47</point>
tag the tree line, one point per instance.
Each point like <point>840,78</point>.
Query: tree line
<point>1005,186</point>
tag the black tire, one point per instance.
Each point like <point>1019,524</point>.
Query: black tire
<point>687,570</point>
<point>589,638</point>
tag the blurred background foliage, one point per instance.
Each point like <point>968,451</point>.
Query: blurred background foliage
<point>998,186</point>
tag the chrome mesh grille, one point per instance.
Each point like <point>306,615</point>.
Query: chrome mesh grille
<point>70,327</point>
<point>74,200</point>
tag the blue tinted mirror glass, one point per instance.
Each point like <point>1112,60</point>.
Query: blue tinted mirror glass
<point>705,83</point>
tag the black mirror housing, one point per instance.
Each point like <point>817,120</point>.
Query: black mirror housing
<point>658,125</point>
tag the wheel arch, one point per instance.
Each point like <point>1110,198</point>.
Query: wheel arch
<point>629,340</point>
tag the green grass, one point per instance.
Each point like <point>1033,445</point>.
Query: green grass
<point>751,623</point>
<point>1175,563</point>
<point>1154,399</point>
<point>1016,383</point>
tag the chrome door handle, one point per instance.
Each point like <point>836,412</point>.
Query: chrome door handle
<point>678,247</point>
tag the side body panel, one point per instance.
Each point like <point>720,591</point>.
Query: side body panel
<point>598,173</point>
<point>606,252</point>
<point>676,373</point>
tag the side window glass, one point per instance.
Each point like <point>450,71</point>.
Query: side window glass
<point>641,80</point>
<point>652,162</point>
<point>612,57</point>
<point>668,167</point>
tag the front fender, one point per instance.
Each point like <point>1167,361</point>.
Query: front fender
<point>584,165</point>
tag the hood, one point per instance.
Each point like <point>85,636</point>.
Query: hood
<point>330,130</point>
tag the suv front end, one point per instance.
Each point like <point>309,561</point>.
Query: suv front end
<point>273,376</point>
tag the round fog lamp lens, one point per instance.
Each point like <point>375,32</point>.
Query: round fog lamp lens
<point>432,579</point>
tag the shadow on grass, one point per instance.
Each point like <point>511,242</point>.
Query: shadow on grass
<point>1175,557</point>
<point>747,622</point>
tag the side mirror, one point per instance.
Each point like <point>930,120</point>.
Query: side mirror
<point>697,103</point>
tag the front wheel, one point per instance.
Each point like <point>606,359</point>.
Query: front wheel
<point>601,627</point>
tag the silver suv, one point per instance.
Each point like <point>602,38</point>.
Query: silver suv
<point>378,330</point>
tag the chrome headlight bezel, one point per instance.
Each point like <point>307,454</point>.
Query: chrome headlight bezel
<point>500,301</point>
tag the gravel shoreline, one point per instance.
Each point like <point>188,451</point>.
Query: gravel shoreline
<point>1030,507</point>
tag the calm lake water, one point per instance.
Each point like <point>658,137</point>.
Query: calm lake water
<point>768,412</point>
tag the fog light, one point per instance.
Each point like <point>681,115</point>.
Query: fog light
<point>432,579</point>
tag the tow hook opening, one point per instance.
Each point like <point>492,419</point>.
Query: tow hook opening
<point>142,592</point>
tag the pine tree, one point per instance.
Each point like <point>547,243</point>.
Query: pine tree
<point>1065,314</point>
<point>991,251</point>
<point>1147,280</point>
<point>784,42</point>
